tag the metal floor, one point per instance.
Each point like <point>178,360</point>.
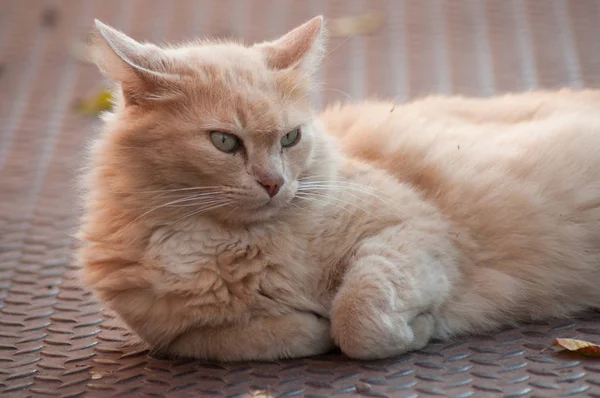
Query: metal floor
<point>55,339</point>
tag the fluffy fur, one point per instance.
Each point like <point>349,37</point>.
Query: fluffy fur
<point>396,224</point>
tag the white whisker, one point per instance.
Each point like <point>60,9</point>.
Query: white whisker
<point>231,211</point>
<point>347,185</point>
<point>342,184</point>
<point>201,211</point>
<point>335,198</point>
<point>188,198</point>
<point>339,91</point>
<point>199,203</point>
<point>299,207</point>
<point>170,190</point>
<point>322,199</point>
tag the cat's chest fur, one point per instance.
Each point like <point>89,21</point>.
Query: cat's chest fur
<point>262,271</point>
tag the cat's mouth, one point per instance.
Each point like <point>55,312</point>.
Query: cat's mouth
<point>271,203</point>
<point>261,208</point>
<point>274,204</point>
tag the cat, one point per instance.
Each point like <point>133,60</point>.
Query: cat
<point>224,219</point>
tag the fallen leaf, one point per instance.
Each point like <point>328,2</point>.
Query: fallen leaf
<point>95,104</point>
<point>258,394</point>
<point>579,346</point>
<point>363,388</point>
<point>358,25</point>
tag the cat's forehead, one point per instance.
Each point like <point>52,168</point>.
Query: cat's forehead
<point>256,113</point>
<point>235,86</point>
<point>227,56</point>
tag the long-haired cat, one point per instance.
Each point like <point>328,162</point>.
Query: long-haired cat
<point>225,220</point>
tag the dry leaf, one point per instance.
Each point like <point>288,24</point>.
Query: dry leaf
<point>258,394</point>
<point>97,103</point>
<point>579,346</point>
<point>359,25</point>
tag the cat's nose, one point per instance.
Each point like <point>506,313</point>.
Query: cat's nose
<point>271,183</point>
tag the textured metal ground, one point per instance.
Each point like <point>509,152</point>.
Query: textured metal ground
<point>55,339</point>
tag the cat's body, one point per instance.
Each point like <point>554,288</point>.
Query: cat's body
<point>395,224</point>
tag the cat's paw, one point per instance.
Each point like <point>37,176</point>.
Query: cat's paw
<point>423,328</point>
<point>380,335</point>
<point>369,322</point>
<point>293,335</point>
<point>309,335</point>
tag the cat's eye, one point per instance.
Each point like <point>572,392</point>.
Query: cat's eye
<point>224,141</point>
<point>291,138</point>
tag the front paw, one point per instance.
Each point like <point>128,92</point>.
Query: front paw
<point>297,334</point>
<point>375,335</point>
<point>311,335</point>
<point>366,323</point>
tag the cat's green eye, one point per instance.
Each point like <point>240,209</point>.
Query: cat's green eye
<point>224,141</point>
<point>291,138</point>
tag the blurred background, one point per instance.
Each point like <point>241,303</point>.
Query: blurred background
<point>53,335</point>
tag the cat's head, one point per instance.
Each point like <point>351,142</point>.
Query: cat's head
<point>214,127</point>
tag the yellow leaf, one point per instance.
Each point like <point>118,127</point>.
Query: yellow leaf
<point>359,25</point>
<point>95,104</point>
<point>579,346</point>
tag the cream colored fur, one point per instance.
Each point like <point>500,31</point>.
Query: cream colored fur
<point>396,223</point>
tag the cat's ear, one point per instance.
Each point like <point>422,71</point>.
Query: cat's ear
<point>302,47</point>
<point>141,69</point>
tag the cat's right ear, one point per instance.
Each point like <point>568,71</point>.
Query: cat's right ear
<point>141,69</point>
<point>301,48</point>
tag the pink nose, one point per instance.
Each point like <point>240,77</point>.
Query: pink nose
<point>271,183</point>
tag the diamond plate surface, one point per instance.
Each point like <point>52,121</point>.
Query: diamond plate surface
<point>56,340</point>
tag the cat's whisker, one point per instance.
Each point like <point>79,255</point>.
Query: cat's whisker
<point>339,91</point>
<point>299,207</point>
<point>177,198</point>
<point>198,198</point>
<point>338,184</point>
<point>300,99</point>
<point>322,201</point>
<point>332,185</point>
<point>170,190</point>
<point>201,211</point>
<point>177,194</point>
<point>356,187</point>
<point>348,185</point>
<point>203,195</point>
<point>309,177</point>
<point>323,190</point>
<point>231,211</point>
<point>154,209</point>
<point>333,199</point>
<point>198,203</point>
<point>326,57</point>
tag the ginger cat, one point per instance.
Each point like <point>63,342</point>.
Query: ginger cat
<point>225,220</point>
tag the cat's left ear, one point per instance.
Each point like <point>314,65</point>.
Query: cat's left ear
<point>143,70</point>
<point>303,47</point>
